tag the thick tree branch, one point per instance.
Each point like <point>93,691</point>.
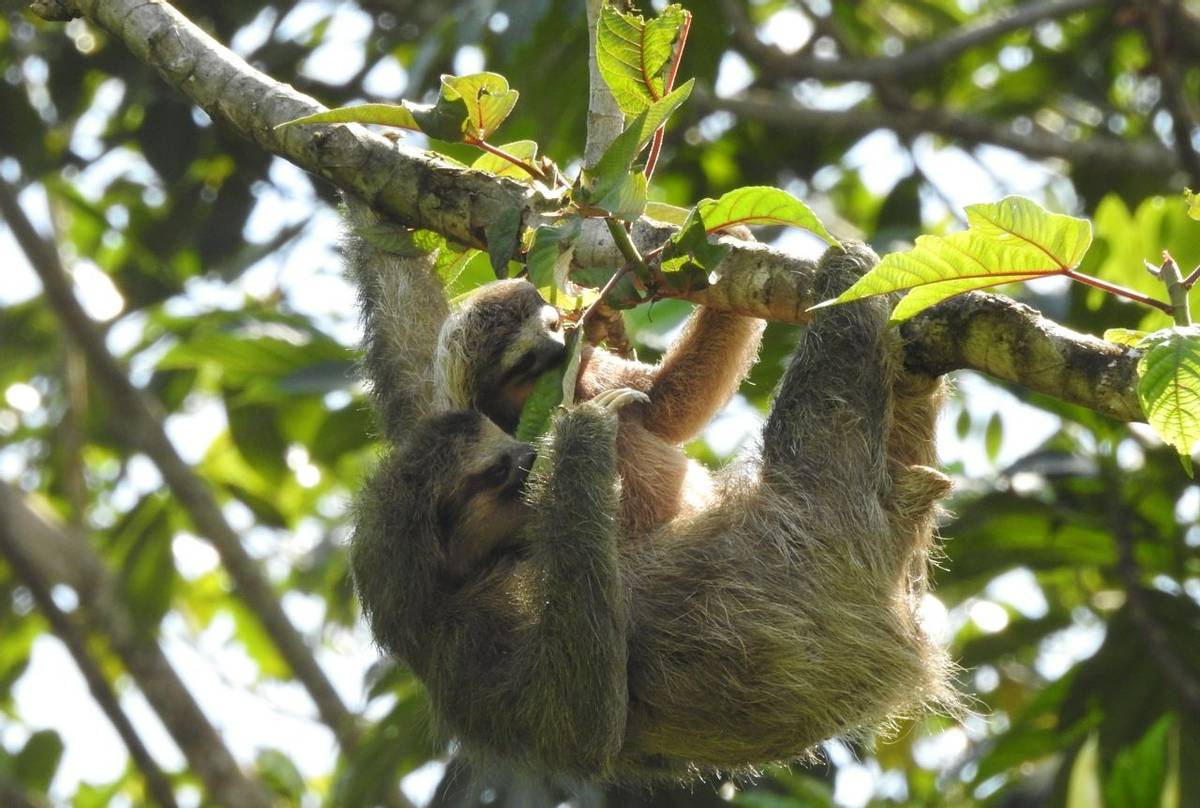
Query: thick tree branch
<point>1102,152</point>
<point>76,642</point>
<point>144,421</point>
<point>40,539</point>
<point>421,191</point>
<point>929,56</point>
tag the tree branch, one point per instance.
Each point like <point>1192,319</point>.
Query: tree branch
<point>421,191</point>
<point>1102,152</point>
<point>928,56</point>
<point>39,538</point>
<point>73,638</point>
<point>144,420</point>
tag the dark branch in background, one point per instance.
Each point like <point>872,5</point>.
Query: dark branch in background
<point>1164,47</point>
<point>928,56</point>
<point>1158,641</point>
<point>422,191</point>
<point>144,420</point>
<point>1101,152</point>
<point>73,638</point>
<point>59,555</point>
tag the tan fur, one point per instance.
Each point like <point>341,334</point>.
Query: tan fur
<point>782,613</point>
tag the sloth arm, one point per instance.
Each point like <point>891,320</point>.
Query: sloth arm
<point>403,306</point>
<point>554,687</point>
<point>698,374</point>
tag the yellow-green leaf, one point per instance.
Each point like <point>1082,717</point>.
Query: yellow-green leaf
<point>383,114</point>
<point>488,98</point>
<point>760,204</point>
<point>1083,786</point>
<point>524,150</point>
<point>671,214</point>
<point>1169,387</point>
<point>1125,336</point>
<point>1010,241</point>
<point>1193,203</point>
<point>634,54</point>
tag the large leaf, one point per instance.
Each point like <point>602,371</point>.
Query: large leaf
<point>760,204</point>
<point>1141,776</point>
<point>608,181</point>
<point>550,254</point>
<point>1010,241</point>
<point>634,54</point>
<point>468,106</point>
<point>1169,387</point>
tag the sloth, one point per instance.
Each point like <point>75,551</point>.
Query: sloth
<point>783,613</point>
<point>487,354</point>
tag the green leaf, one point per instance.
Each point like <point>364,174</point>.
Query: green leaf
<point>671,214</point>
<point>1169,387</point>
<point>1083,787</point>
<point>257,642</point>
<point>993,436</point>
<point>280,775</point>
<point>551,251</point>
<point>1193,203</point>
<point>626,198</point>
<point>554,387</point>
<point>689,257</point>
<point>502,236</point>
<point>1010,241</point>
<point>384,114</point>
<point>634,55</point>
<point>487,97</point>
<point>1125,336</point>
<point>37,762</point>
<point>612,169</point>
<point>1139,775</point>
<point>759,204</point>
<point>525,150</point>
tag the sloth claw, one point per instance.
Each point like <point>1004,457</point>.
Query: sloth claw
<point>619,397</point>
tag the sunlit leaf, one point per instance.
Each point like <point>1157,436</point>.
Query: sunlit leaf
<point>758,204</point>
<point>670,214</point>
<point>1193,203</point>
<point>689,256</point>
<point>383,114</point>
<point>634,54</point>
<point>524,150</point>
<point>487,97</point>
<point>280,775</point>
<point>1125,336</point>
<point>1169,387</point>
<point>1010,241</point>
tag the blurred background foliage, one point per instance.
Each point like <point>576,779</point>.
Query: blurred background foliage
<point>1070,585</point>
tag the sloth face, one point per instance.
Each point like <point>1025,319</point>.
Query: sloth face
<point>499,343</point>
<point>482,508</point>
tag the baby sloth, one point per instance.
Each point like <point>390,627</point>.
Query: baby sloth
<point>491,350</point>
<point>782,613</point>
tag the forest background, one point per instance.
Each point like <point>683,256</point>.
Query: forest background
<point>216,401</point>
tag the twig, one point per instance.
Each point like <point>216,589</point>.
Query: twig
<point>73,638</point>
<point>144,418</point>
<point>920,58</point>
<point>1118,290</point>
<point>668,85</point>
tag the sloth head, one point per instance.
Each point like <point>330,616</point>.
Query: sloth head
<point>439,509</point>
<point>492,349</point>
